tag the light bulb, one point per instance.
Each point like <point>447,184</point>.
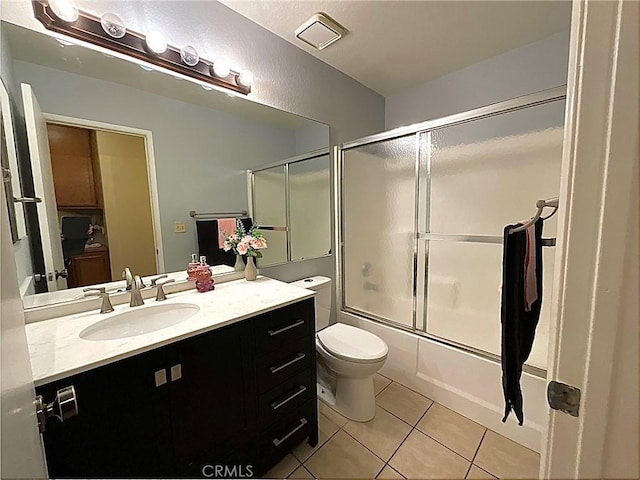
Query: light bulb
<point>113,25</point>
<point>245,78</point>
<point>189,55</point>
<point>65,10</point>
<point>156,42</point>
<point>220,68</point>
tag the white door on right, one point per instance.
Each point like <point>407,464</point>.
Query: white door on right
<point>595,345</point>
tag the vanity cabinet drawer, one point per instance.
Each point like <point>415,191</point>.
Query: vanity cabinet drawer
<point>280,365</point>
<point>285,398</point>
<point>288,433</point>
<point>280,327</point>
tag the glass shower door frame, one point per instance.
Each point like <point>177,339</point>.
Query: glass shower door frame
<point>252,205</point>
<point>421,225</point>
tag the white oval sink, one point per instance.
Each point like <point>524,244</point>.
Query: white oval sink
<point>139,321</point>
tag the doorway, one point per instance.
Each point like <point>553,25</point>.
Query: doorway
<point>103,187</point>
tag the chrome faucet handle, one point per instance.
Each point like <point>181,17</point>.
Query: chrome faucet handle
<point>160,293</point>
<point>155,279</point>
<point>101,292</point>
<point>136,296</point>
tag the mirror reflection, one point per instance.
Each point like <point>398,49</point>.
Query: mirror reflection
<point>291,203</point>
<point>120,156</point>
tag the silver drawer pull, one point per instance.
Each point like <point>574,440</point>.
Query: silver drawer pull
<point>278,441</point>
<point>299,357</point>
<point>297,323</point>
<point>301,389</point>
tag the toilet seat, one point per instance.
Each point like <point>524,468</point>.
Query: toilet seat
<point>352,344</point>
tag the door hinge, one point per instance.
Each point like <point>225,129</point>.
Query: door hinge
<point>563,397</point>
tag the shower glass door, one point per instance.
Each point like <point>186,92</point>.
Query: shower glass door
<point>378,225</point>
<point>483,175</point>
<point>423,216</point>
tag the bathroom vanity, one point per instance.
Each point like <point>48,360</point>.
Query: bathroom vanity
<point>233,385</point>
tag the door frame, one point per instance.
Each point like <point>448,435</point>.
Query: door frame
<point>147,135</point>
<point>596,230</point>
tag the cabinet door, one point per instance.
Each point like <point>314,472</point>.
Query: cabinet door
<point>89,269</point>
<point>122,427</point>
<point>74,167</point>
<point>213,403</point>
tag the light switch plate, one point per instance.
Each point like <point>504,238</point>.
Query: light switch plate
<point>179,227</point>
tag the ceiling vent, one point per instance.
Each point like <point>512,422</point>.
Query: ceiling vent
<point>320,31</point>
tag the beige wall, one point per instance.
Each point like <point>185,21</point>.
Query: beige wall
<point>127,205</point>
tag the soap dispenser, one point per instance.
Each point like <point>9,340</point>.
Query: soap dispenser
<point>192,267</point>
<point>204,278</point>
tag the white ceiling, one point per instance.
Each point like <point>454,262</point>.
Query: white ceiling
<point>394,45</point>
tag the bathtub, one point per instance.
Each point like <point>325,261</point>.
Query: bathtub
<point>459,380</point>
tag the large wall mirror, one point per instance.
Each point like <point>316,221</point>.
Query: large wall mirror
<point>121,156</point>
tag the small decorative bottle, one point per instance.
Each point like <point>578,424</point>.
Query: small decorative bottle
<point>192,267</point>
<point>204,278</point>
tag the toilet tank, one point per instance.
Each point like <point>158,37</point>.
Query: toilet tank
<point>322,287</point>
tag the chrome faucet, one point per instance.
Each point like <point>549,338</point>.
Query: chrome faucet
<point>129,277</point>
<point>126,274</point>
<point>101,292</point>
<point>136,296</point>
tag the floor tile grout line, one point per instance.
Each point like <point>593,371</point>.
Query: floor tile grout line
<point>384,388</point>
<point>398,448</point>
<point>387,465</point>
<point>409,388</point>
<point>371,451</point>
<point>317,447</point>
<point>485,471</point>
<point>479,445</point>
<point>395,415</point>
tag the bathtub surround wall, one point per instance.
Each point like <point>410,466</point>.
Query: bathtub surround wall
<point>538,66</point>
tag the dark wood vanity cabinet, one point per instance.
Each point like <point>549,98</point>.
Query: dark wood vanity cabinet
<point>241,396</point>
<point>89,268</point>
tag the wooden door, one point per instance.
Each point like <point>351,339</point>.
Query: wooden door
<point>75,172</point>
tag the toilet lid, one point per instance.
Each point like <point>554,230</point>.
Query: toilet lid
<point>352,344</point>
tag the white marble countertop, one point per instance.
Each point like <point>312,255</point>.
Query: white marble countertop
<point>57,351</point>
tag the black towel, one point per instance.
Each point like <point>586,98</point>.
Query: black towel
<point>207,231</point>
<point>518,325</point>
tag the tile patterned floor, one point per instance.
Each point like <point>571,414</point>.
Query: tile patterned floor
<point>410,437</point>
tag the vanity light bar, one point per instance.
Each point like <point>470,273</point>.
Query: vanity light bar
<point>88,28</point>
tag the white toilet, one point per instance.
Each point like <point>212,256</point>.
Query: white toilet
<point>347,358</point>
